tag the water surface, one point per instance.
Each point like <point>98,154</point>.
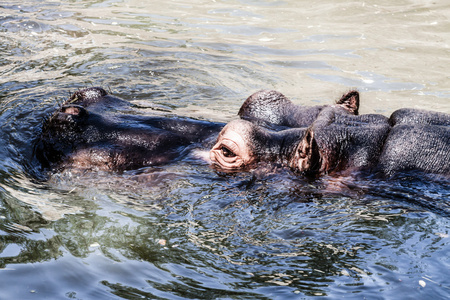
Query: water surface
<point>185,230</point>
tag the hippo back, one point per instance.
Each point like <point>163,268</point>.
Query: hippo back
<point>419,140</point>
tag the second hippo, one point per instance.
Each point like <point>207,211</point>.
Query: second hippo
<point>90,131</point>
<point>338,140</point>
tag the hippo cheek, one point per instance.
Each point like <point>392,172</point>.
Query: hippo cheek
<point>231,151</point>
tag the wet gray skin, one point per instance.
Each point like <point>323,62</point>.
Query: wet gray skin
<point>91,131</point>
<point>410,140</point>
<point>270,129</point>
<point>272,108</point>
<point>337,139</point>
<point>84,134</point>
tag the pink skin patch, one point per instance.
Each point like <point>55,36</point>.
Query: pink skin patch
<point>231,150</point>
<point>72,110</point>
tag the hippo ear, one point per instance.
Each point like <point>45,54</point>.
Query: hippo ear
<point>307,157</point>
<point>306,145</point>
<point>74,110</point>
<point>350,102</point>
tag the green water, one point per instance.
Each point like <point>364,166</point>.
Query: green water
<point>185,230</point>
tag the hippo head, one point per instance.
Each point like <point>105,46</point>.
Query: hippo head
<point>61,132</point>
<point>246,141</point>
<point>96,131</point>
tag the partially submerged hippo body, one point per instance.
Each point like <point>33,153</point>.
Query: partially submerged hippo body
<point>339,140</point>
<point>270,129</point>
<point>404,142</point>
<point>91,131</point>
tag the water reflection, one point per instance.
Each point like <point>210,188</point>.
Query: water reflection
<point>254,241</point>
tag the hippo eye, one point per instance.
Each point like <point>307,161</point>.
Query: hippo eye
<point>227,152</point>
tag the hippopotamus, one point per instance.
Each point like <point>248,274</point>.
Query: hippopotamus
<point>340,140</point>
<point>91,131</point>
<point>270,127</point>
<point>94,130</point>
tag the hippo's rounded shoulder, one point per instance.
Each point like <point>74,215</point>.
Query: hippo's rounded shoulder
<point>419,116</point>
